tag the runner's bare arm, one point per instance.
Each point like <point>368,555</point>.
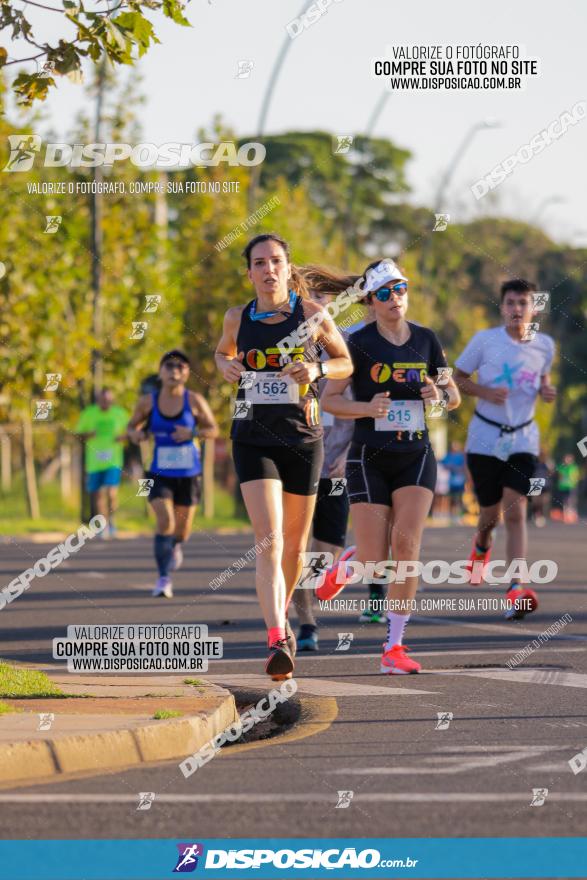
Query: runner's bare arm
<point>547,390</point>
<point>328,337</point>
<point>228,360</point>
<point>207,426</point>
<point>139,418</point>
<point>470,388</point>
<point>340,365</point>
<point>334,401</point>
<point>431,391</point>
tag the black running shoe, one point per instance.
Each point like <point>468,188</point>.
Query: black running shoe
<point>280,662</point>
<point>290,638</point>
<point>308,637</point>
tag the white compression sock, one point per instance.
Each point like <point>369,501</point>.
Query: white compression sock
<point>396,624</point>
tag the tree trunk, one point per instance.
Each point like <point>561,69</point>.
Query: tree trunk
<point>6,461</point>
<point>66,475</point>
<point>208,478</point>
<point>29,468</point>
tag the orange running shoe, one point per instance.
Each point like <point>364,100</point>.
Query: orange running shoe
<point>476,564</point>
<point>524,601</point>
<point>330,587</point>
<point>395,662</point>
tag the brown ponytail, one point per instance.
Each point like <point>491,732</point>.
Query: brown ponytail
<point>325,280</point>
<point>298,283</point>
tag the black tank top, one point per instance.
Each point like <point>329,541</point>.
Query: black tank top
<point>274,424</point>
<point>400,369</point>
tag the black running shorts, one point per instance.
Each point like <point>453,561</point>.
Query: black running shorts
<point>331,514</point>
<point>183,491</point>
<point>491,475</point>
<point>298,467</point>
<point>373,474</point>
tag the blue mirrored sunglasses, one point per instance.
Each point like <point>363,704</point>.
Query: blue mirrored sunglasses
<point>384,293</point>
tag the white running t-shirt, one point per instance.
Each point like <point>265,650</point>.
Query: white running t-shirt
<point>502,362</point>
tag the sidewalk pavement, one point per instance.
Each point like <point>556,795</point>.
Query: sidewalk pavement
<point>106,723</point>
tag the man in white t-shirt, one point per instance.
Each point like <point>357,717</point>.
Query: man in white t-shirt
<point>513,364</point>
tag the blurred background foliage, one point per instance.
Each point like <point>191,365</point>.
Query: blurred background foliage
<point>336,209</point>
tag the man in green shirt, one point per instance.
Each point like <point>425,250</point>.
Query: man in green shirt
<point>103,428</point>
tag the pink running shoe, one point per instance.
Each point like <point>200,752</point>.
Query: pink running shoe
<point>396,662</point>
<point>476,565</point>
<point>524,601</point>
<point>330,586</point>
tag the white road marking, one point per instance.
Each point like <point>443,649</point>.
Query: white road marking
<point>306,798</point>
<point>348,655</point>
<point>507,628</point>
<point>495,747</point>
<point>520,676</point>
<point>319,687</point>
<point>448,764</point>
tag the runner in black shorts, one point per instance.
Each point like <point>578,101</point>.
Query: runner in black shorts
<point>276,433</point>
<point>329,526</point>
<point>513,370</point>
<point>391,468</point>
<point>173,416</point>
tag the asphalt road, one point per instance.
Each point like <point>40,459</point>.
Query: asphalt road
<point>512,731</point>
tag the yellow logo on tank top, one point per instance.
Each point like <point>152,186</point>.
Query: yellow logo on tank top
<point>271,358</point>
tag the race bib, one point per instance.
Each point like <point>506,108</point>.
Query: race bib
<point>271,388</point>
<point>503,447</point>
<point>403,415</point>
<point>105,455</point>
<point>175,457</point>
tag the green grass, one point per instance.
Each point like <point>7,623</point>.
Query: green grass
<point>5,708</point>
<point>134,515</point>
<point>161,714</point>
<point>15,681</point>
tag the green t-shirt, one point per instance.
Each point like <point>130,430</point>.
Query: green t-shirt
<point>568,476</point>
<point>102,451</point>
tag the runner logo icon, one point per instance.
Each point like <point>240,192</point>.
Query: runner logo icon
<point>23,149</point>
<point>539,795</point>
<point>314,569</point>
<point>187,860</point>
<point>537,484</point>
<point>338,486</point>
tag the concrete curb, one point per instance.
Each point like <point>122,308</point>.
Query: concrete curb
<point>42,759</point>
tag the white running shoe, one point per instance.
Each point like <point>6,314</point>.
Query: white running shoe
<point>176,558</point>
<point>163,587</point>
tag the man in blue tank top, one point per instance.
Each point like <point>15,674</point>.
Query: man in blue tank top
<point>175,417</point>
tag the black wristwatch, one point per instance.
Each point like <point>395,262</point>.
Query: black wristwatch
<point>446,395</point>
<point>323,369</point>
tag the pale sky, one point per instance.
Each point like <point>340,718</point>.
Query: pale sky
<point>326,82</point>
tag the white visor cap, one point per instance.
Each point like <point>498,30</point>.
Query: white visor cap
<point>381,274</point>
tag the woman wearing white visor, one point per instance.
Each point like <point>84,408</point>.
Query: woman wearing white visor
<point>391,468</point>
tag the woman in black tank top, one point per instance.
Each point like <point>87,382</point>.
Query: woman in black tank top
<point>391,470</point>
<point>271,347</point>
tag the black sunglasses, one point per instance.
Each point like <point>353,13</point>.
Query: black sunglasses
<point>384,293</point>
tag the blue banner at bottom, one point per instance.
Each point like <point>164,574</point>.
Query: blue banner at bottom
<point>270,859</point>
